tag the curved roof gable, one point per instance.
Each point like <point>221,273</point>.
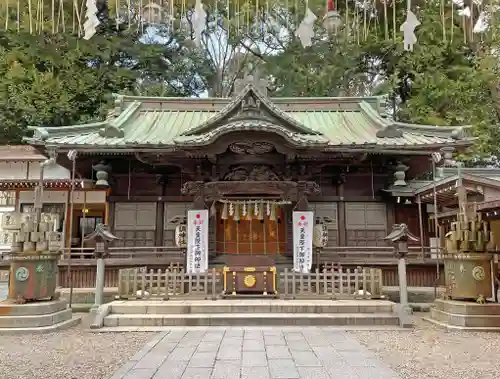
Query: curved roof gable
<point>250,103</point>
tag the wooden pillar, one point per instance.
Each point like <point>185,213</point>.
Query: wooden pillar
<point>341,216</point>
<point>111,216</point>
<point>391,216</point>
<point>160,218</point>
<point>421,227</point>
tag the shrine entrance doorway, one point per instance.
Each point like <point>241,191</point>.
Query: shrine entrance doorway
<point>263,234</point>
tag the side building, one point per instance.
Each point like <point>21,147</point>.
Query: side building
<point>21,172</point>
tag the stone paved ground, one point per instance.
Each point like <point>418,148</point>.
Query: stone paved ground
<point>253,353</point>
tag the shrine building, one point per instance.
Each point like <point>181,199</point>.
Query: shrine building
<point>251,160</point>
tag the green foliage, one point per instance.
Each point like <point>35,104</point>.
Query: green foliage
<point>59,79</point>
<point>446,80</point>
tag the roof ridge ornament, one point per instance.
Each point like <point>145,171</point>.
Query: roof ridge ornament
<point>251,80</point>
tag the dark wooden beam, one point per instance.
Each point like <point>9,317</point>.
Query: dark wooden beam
<point>148,199</point>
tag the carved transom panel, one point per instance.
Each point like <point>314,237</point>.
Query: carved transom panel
<point>257,173</point>
<point>255,148</point>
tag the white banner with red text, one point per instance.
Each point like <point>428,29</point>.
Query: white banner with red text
<point>197,245</point>
<point>303,223</point>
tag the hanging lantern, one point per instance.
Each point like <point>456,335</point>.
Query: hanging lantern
<point>181,236</point>
<point>320,235</point>
<point>332,21</point>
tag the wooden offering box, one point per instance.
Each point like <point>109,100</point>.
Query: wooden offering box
<point>247,275</point>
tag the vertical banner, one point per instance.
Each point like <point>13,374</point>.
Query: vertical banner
<point>197,246</point>
<point>303,223</point>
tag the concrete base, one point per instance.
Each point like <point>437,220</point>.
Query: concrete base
<point>466,315</point>
<point>43,316</point>
<point>143,313</point>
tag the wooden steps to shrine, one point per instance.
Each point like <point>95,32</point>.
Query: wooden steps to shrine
<point>250,312</point>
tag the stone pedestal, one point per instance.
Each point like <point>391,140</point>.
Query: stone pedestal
<point>466,315</point>
<point>36,317</point>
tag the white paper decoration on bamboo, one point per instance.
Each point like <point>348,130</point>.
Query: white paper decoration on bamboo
<point>91,22</point>
<point>305,31</point>
<point>408,29</point>
<point>199,21</point>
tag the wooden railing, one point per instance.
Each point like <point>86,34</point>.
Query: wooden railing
<point>341,283</point>
<point>135,255</point>
<point>380,255</point>
<point>163,255</point>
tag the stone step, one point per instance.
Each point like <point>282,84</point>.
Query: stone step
<point>35,321</point>
<point>467,307</point>
<point>9,308</point>
<point>249,306</point>
<point>485,320</point>
<point>251,319</point>
<point>74,320</point>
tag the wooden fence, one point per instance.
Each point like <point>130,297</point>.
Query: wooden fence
<point>357,283</point>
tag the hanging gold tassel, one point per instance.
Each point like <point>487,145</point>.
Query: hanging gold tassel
<point>261,211</point>
<point>224,212</point>
<point>272,216</point>
<point>236,216</point>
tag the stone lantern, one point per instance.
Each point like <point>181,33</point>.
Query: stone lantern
<point>102,238</point>
<point>399,237</point>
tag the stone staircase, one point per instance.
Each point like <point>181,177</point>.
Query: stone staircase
<point>249,312</point>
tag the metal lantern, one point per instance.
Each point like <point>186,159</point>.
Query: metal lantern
<point>102,237</point>
<point>399,236</point>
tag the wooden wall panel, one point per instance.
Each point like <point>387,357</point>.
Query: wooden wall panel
<point>366,224</point>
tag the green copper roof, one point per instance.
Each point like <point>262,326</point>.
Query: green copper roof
<point>325,123</point>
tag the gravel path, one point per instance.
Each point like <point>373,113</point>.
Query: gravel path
<point>428,352</point>
<point>70,354</point>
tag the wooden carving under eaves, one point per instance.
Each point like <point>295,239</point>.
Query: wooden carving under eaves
<point>257,173</point>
